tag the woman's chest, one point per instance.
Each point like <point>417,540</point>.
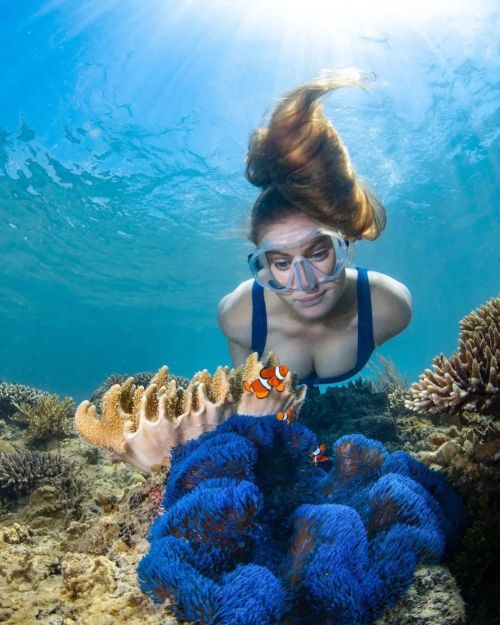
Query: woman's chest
<point>328,352</point>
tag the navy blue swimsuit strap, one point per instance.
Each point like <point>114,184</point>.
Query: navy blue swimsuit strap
<point>366,344</point>
<point>259,319</point>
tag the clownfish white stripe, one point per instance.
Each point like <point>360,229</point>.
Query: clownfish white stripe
<point>277,373</point>
<point>265,383</point>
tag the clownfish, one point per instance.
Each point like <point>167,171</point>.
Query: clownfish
<point>319,455</point>
<point>269,378</point>
<point>286,416</point>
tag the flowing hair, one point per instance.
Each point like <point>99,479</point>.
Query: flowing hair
<point>302,165</point>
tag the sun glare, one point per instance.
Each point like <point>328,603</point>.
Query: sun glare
<point>344,17</point>
<point>351,10</point>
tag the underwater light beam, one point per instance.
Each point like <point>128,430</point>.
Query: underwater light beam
<point>352,10</point>
<point>347,18</point>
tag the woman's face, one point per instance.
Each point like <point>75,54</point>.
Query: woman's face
<point>309,296</point>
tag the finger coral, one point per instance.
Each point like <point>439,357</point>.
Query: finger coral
<point>470,378</point>
<point>253,532</point>
<point>141,425</point>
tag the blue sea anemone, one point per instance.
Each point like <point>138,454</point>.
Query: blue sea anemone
<point>255,533</point>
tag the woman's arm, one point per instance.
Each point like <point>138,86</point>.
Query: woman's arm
<point>391,306</point>
<point>238,353</point>
<point>234,314</point>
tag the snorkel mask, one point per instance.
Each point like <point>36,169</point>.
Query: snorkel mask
<point>323,258</point>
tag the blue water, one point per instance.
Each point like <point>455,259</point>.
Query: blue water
<point>123,131</point>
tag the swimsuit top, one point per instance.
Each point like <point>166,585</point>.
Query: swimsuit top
<point>366,344</point>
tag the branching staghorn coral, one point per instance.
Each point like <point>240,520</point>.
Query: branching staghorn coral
<point>254,533</point>
<point>21,470</point>
<point>47,418</point>
<point>141,426</point>
<point>470,378</point>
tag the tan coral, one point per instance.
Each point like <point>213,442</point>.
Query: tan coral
<point>470,378</point>
<point>48,418</point>
<point>141,426</point>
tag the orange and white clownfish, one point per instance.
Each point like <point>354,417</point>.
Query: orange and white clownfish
<point>269,378</point>
<point>319,455</point>
<point>286,416</point>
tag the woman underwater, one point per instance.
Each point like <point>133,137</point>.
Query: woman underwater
<point>322,318</point>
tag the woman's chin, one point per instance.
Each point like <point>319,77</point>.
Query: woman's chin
<point>312,307</point>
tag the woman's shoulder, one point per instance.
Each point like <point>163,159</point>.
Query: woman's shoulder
<point>234,313</point>
<point>391,306</point>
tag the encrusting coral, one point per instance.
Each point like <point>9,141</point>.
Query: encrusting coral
<point>141,426</point>
<point>470,378</point>
<point>47,418</point>
<point>255,532</point>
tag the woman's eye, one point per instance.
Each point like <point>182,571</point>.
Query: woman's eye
<point>319,255</point>
<point>282,265</point>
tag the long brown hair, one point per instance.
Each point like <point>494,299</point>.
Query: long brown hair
<point>302,165</point>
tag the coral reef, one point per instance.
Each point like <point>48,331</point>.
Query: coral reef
<point>43,584</point>
<point>388,380</point>
<point>476,566</point>
<point>125,523</point>
<point>54,541</point>
<point>12,394</point>
<point>255,533</point>
<point>464,448</point>
<point>398,399</point>
<point>21,470</point>
<point>354,407</point>
<point>63,564</point>
<point>470,378</point>
<point>387,376</point>
<point>457,431</point>
<point>141,426</point>
<point>47,419</point>
<point>6,447</point>
<point>433,599</point>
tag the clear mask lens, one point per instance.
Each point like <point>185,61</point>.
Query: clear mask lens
<point>274,267</point>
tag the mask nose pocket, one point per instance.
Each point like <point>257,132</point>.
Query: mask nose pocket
<point>303,274</point>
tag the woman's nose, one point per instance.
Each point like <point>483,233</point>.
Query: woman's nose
<point>304,278</point>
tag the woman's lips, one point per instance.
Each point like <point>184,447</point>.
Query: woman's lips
<point>311,300</point>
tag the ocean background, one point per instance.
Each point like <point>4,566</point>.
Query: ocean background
<point>123,132</point>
